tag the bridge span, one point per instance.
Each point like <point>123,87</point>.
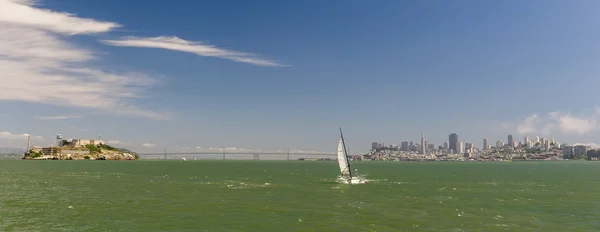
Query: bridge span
<point>237,155</point>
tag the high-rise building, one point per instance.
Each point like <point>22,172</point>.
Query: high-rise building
<point>411,144</point>
<point>404,146</point>
<point>423,146</point>
<point>542,142</point>
<point>529,144</point>
<point>485,144</point>
<point>469,146</point>
<point>453,142</point>
<point>511,142</point>
<point>547,145</point>
<point>445,145</point>
<point>537,139</point>
<point>430,147</point>
<point>374,145</point>
<point>499,144</point>
<point>460,148</point>
<point>526,140</point>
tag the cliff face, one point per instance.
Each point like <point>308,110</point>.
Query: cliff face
<point>87,152</point>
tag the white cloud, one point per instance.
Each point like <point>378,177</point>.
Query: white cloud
<point>8,135</point>
<point>558,122</point>
<point>528,125</point>
<point>148,145</point>
<point>198,48</point>
<point>115,142</point>
<point>39,64</point>
<point>58,117</point>
<point>24,13</point>
<point>576,125</point>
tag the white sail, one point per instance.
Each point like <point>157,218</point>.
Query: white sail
<point>343,160</point>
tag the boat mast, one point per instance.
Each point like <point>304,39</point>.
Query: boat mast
<point>346,153</point>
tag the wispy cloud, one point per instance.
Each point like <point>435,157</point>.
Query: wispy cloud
<point>198,48</point>
<point>58,117</point>
<point>39,64</point>
<point>148,145</point>
<point>24,13</point>
<point>8,135</point>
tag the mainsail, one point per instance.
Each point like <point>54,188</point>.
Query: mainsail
<point>343,158</point>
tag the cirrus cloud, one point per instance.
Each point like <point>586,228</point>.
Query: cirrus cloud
<point>40,64</point>
<point>198,48</point>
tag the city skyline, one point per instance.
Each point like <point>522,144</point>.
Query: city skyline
<point>274,75</point>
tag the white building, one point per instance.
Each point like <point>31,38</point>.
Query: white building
<point>83,142</point>
<point>460,148</point>
<point>499,144</point>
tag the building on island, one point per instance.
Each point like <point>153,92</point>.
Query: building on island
<point>83,142</point>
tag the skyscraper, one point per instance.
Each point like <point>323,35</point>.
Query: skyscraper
<point>445,145</point>
<point>468,145</point>
<point>404,146</point>
<point>423,146</point>
<point>485,144</point>
<point>460,148</point>
<point>511,142</point>
<point>453,142</point>
<point>526,140</point>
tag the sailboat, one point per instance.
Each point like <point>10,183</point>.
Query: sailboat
<point>342,156</point>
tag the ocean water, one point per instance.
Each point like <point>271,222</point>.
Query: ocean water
<point>297,196</point>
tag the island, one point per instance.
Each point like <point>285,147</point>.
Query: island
<point>78,149</point>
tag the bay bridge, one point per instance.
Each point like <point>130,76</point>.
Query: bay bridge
<point>237,155</point>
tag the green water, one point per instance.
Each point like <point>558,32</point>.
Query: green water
<point>297,196</point>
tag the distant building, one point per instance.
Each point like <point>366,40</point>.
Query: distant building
<point>460,148</point>
<point>404,146</point>
<point>423,149</point>
<point>511,142</point>
<point>445,145</point>
<point>83,142</point>
<point>453,142</point>
<point>580,150</point>
<point>430,147</point>
<point>499,144</point>
<point>526,140</point>
<point>485,144</point>
<point>529,144</point>
<point>469,146</point>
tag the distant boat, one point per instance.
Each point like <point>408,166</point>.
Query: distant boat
<point>184,159</point>
<point>344,163</point>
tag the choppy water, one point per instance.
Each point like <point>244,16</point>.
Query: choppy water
<point>297,196</point>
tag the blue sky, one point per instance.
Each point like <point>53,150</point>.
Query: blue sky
<point>180,74</point>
